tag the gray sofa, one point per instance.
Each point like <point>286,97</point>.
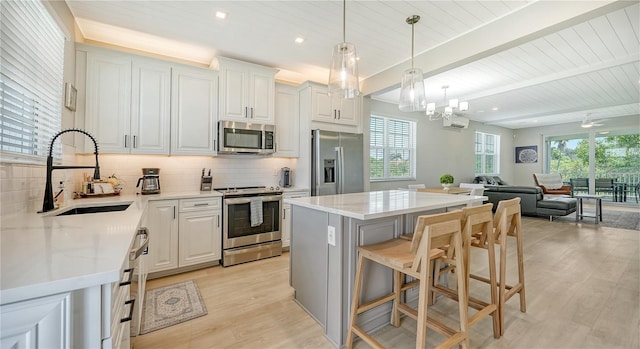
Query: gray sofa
<point>533,202</point>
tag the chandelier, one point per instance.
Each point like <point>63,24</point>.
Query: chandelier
<point>450,108</point>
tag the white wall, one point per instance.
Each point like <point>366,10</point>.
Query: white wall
<point>441,149</point>
<point>523,173</point>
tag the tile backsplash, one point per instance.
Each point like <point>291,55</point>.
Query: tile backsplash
<point>182,173</point>
<point>22,185</point>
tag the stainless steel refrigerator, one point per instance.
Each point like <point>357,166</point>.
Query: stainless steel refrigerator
<point>336,163</point>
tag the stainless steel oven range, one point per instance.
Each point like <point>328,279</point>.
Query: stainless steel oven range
<point>243,241</point>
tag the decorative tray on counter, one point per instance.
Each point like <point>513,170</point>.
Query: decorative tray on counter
<point>78,195</point>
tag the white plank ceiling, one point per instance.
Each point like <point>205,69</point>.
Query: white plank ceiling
<point>591,68</point>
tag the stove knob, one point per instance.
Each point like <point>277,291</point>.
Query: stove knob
<point>277,188</point>
<point>270,188</point>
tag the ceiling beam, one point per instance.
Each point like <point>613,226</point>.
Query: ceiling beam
<point>533,21</point>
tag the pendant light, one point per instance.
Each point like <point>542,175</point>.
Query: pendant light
<point>412,95</point>
<point>343,77</point>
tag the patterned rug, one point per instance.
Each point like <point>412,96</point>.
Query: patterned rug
<point>170,305</point>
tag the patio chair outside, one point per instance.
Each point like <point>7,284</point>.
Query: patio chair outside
<point>579,185</point>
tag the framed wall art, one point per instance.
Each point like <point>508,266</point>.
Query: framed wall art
<point>70,95</point>
<point>527,154</point>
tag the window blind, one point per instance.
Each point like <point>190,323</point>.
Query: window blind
<point>392,148</point>
<point>31,88</point>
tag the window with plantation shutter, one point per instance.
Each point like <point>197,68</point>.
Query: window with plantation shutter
<point>392,148</point>
<point>487,150</point>
<point>32,60</point>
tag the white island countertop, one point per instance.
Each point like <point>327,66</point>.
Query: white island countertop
<point>379,204</point>
<point>44,254</point>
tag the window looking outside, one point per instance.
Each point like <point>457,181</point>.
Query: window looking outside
<point>487,154</point>
<point>392,148</point>
<point>32,58</point>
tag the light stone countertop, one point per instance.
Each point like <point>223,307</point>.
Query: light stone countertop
<point>379,204</point>
<point>42,254</point>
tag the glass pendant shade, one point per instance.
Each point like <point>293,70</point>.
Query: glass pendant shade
<point>343,77</point>
<point>412,94</point>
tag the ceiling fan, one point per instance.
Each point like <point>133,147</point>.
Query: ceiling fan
<point>587,122</point>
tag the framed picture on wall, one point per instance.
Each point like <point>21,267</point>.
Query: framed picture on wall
<point>527,154</point>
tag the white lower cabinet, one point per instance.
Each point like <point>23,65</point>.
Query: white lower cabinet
<point>162,221</point>
<point>185,232</point>
<point>285,227</point>
<point>36,323</point>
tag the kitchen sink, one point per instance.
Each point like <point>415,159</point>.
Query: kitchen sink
<point>94,209</point>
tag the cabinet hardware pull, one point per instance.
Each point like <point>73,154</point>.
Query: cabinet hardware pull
<point>246,112</point>
<point>252,113</point>
<point>128,282</point>
<point>202,204</point>
<point>134,142</point>
<point>218,220</point>
<point>125,141</point>
<point>174,212</point>
<point>130,317</point>
<point>339,115</point>
<point>284,214</point>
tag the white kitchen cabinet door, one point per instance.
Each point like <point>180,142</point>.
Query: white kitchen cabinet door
<point>200,237</point>
<point>348,110</point>
<point>287,118</point>
<point>162,222</point>
<point>194,109</point>
<point>247,92</point>
<point>322,109</point>
<point>262,96</point>
<point>150,107</point>
<point>108,101</point>
<point>234,94</point>
<point>38,323</point>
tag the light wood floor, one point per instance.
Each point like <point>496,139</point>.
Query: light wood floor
<point>582,287</point>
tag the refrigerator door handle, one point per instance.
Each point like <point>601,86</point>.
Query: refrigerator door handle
<point>339,170</point>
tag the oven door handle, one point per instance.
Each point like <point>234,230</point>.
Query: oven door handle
<point>246,200</point>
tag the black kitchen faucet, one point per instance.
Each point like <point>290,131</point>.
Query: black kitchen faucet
<point>47,204</point>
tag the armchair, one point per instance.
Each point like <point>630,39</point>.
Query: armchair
<point>579,185</point>
<point>551,184</point>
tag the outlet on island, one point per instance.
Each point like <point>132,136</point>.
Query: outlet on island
<point>331,235</point>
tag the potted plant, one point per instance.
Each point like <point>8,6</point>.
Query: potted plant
<point>446,180</point>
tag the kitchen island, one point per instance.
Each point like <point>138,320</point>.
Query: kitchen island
<point>326,233</point>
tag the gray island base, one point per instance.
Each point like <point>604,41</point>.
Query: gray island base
<point>325,235</point>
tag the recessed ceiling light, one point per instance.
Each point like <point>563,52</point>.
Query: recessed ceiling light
<point>480,111</point>
<point>604,132</point>
<point>221,14</point>
<point>299,40</point>
<point>494,108</point>
<point>357,58</point>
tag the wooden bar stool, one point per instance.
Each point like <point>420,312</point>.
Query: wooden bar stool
<point>415,258</point>
<point>477,231</point>
<point>508,222</point>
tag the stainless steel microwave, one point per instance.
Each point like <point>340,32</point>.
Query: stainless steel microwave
<point>245,138</point>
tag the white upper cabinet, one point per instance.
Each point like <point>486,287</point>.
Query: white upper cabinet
<point>247,92</point>
<point>194,110</point>
<point>330,113</point>
<point>127,101</point>
<point>150,107</point>
<point>287,118</point>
